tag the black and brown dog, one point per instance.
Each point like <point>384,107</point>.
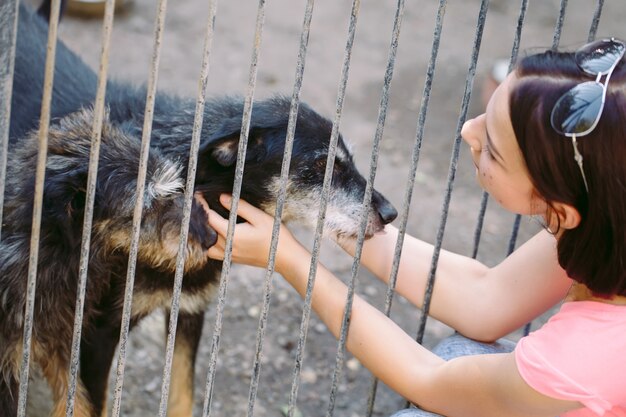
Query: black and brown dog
<point>63,210</point>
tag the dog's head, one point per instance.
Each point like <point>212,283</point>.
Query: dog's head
<point>264,155</point>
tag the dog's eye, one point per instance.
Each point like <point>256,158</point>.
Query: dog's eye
<point>320,164</point>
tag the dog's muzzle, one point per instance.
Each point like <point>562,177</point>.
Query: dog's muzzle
<point>386,211</point>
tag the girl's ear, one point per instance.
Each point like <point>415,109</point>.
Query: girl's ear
<point>568,216</point>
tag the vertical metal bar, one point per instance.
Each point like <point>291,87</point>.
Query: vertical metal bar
<point>382,115</point>
<point>332,148</point>
<point>291,126</point>
<point>8,36</point>
<point>44,123</point>
<point>485,196</point>
<point>323,204</point>
<point>189,191</point>
<point>96,134</point>
<point>232,219</point>
<point>141,179</point>
<point>595,21</point>
<point>406,204</point>
<point>556,40</point>
<point>452,169</point>
<point>479,223</point>
<point>281,199</point>
<point>330,162</point>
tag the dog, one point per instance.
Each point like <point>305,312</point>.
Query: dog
<point>64,203</point>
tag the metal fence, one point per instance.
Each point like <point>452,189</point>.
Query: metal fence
<point>7,51</point>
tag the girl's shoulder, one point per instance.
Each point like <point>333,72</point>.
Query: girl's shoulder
<point>577,355</point>
<point>588,314</point>
<point>589,326</point>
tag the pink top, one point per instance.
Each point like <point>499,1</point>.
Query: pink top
<point>579,355</point>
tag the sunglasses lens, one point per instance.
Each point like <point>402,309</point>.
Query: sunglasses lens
<point>578,110</point>
<point>599,57</point>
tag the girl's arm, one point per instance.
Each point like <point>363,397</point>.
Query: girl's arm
<point>480,302</point>
<point>484,385</point>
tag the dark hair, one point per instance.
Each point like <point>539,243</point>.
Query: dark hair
<point>594,253</point>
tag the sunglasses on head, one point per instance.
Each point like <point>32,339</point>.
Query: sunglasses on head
<point>578,111</point>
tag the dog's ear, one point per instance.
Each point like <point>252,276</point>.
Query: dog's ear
<point>223,146</point>
<point>223,150</point>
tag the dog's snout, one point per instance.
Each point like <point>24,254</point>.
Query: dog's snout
<point>386,211</point>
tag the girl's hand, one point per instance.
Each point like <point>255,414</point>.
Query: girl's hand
<point>251,240</point>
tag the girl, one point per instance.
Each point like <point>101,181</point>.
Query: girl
<point>551,143</point>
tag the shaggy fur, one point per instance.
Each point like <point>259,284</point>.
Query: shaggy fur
<point>68,151</point>
<point>61,227</point>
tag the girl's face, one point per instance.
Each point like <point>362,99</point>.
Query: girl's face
<point>500,167</point>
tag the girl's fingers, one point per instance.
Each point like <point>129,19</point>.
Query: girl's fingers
<point>244,209</point>
<point>251,240</point>
<point>217,222</point>
<point>216,253</point>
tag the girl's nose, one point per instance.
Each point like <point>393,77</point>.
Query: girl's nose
<point>471,133</point>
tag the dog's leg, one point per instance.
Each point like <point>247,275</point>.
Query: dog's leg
<point>55,370</point>
<point>96,356</point>
<point>188,332</point>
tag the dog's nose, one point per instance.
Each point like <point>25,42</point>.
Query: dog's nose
<point>385,209</point>
<point>387,213</point>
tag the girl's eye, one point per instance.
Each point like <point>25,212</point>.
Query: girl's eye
<point>486,149</point>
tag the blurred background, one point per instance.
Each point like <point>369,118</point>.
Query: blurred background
<point>132,45</point>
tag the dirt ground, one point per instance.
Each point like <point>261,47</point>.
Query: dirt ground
<point>229,69</point>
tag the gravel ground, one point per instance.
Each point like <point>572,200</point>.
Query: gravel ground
<point>230,63</point>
